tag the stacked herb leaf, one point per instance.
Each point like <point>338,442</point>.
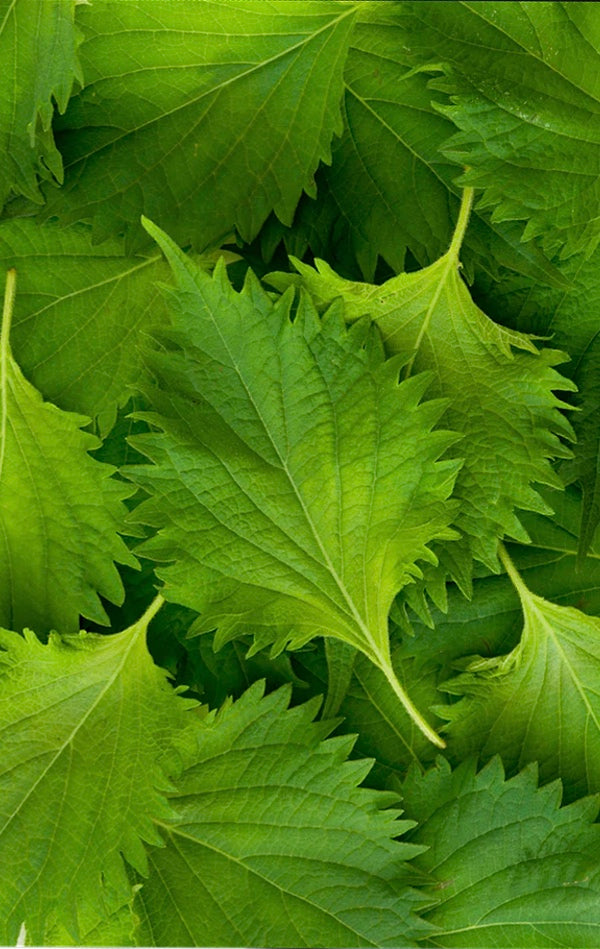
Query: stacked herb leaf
<point>328,520</point>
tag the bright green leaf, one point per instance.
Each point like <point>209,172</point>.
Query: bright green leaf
<point>59,510</point>
<point>266,534</point>
<point>509,866</point>
<point>38,52</point>
<point>203,115</point>
<point>540,702</point>
<point>80,314</point>
<point>499,385</point>
<point>86,753</point>
<point>274,844</point>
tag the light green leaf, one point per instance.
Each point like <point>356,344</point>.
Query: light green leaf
<point>499,386</point>
<point>80,314</point>
<point>89,730</point>
<point>509,866</point>
<point>540,702</point>
<point>274,844</point>
<point>38,52</point>
<point>523,83</point>
<point>219,110</point>
<point>295,482</point>
<point>59,509</point>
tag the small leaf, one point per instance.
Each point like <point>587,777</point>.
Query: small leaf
<point>38,51</point>
<point>540,702</point>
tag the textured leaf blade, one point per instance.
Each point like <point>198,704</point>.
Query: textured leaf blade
<point>80,314</point>
<point>274,841</point>
<point>539,702</point>
<point>524,92</point>
<point>59,510</point>
<point>221,109</point>
<point>390,187</point>
<point>572,320</point>
<point>499,387</point>
<point>38,50</point>
<point>279,539</point>
<point>85,760</point>
<point>510,867</point>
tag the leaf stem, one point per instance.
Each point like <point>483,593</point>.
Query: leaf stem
<point>145,620</point>
<point>515,576</point>
<point>7,312</point>
<point>464,213</point>
<point>388,671</point>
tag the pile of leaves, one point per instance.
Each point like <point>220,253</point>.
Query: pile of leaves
<point>299,421</point>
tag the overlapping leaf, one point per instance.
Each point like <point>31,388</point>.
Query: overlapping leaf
<point>499,386</point>
<point>509,866</point>
<point>540,702</point>
<point>218,110</point>
<point>38,51</point>
<point>80,314</point>
<point>60,511</point>
<point>274,844</point>
<point>571,319</point>
<point>89,729</point>
<point>295,483</point>
<point>389,186</point>
<point>523,83</point>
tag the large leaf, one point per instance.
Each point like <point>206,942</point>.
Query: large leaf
<point>80,314</point>
<point>59,509</point>
<point>295,482</point>
<point>38,51</point>
<point>509,866</point>
<point>499,386</point>
<point>89,729</point>
<point>540,702</point>
<point>219,110</point>
<point>525,91</point>
<point>389,186</point>
<point>274,844</point>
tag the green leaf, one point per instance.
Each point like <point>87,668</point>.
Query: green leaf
<point>499,385</point>
<point>267,535</point>
<point>274,844</point>
<point>80,314</point>
<point>59,509</point>
<point>572,320</point>
<point>540,702</point>
<point>371,709</point>
<point>89,729</point>
<point>341,658</point>
<point>221,111</point>
<point>523,83</point>
<point>38,51</point>
<point>509,866</point>
<point>105,928</point>
<point>389,187</point>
